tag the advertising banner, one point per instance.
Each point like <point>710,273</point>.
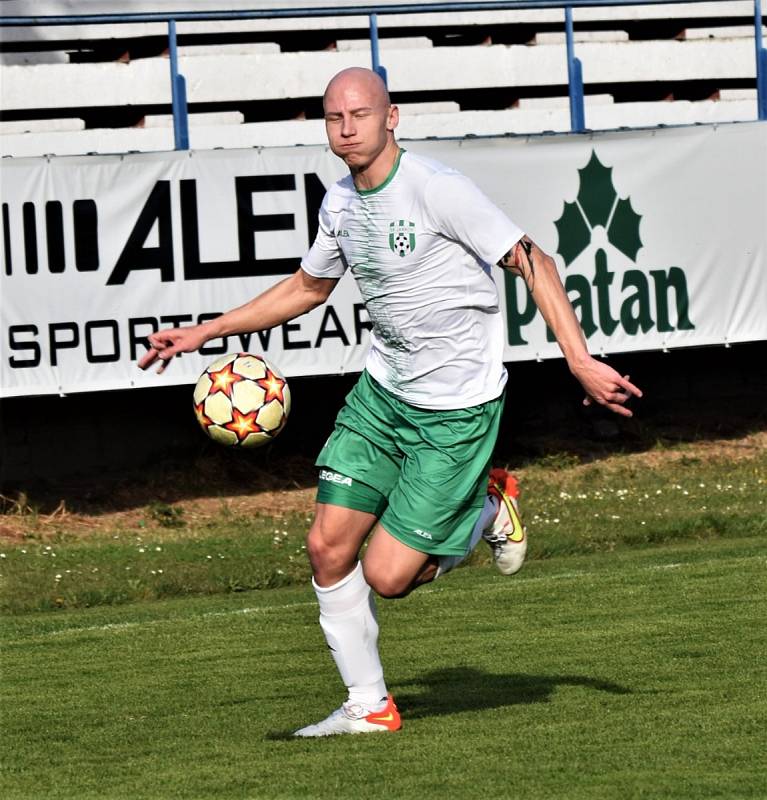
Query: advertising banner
<point>660,237</point>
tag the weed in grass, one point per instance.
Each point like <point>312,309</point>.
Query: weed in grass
<point>166,516</point>
<point>558,461</point>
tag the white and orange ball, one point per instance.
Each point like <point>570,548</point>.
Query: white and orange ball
<point>241,400</point>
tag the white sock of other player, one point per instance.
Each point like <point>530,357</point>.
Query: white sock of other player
<point>348,620</point>
<point>486,517</point>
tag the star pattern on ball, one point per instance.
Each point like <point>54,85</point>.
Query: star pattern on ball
<point>273,386</point>
<point>243,424</point>
<point>223,379</point>
<point>204,420</point>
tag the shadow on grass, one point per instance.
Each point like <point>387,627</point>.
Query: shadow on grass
<point>458,689</point>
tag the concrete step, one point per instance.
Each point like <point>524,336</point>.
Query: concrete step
<point>412,127</point>
<point>287,75</point>
<point>384,44</point>
<point>195,120</point>
<point>217,50</point>
<point>721,32</point>
<point>8,127</point>
<point>699,10</point>
<point>534,103</point>
<point>580,36</point>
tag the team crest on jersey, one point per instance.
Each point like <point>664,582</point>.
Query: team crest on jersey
<point>402,237</point>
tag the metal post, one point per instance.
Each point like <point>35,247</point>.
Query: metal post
<point>761,63</point>
<point>178,93</point>
<point>574,77</point>
<point>374,48</point>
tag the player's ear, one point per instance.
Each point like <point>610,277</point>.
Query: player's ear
<point>392,118</point>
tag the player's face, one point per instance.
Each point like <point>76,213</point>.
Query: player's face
<point>359,122</point>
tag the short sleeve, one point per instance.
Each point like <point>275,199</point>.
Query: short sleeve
<point>463,213</point>
<point>324,259</point>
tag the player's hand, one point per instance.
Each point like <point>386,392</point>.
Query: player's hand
<point>603,385</point>
<point>167,343</point>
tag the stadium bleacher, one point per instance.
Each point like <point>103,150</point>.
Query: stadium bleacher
<point>105,88</point>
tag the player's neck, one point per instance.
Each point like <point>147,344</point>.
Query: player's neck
<point>377,171</point>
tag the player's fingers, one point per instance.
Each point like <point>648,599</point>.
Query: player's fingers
<point>619,409</point>
<point>625,383</point>
<point>147,359</point>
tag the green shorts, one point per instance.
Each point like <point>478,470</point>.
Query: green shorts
<point>422,473</point>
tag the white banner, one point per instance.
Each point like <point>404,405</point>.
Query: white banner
<point>660,237</point>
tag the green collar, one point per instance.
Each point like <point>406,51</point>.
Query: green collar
<point>389,177</point>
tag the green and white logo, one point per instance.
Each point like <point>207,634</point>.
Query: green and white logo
<point>597,205</point>
<point>599,240</point>
<point>402,237</point>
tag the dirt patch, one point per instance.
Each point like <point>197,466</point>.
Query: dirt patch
<point>206,497</point>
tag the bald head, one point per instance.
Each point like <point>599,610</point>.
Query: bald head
<point>364,83</point>
<point>360,122</point>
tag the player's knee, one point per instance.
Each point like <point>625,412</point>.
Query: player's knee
<point>385,583</point>
<point>328,558</point>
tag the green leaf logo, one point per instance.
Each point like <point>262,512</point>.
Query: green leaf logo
<point>597,204</point>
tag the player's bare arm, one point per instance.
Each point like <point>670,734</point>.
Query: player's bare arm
<point>601,382</point>
<point>284,301</point>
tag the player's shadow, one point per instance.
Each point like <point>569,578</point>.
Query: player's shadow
<point>456,689</point>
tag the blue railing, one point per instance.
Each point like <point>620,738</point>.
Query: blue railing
<point>574,69</point>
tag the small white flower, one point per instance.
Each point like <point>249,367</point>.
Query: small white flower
<point>209,558</point>
<point>158,549</point>
<point>2,555</point>
<point>141,550</point>
<point>280,572</point>
<point>159,572</point>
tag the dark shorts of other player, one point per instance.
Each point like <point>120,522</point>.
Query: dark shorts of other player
<point>422,473</point>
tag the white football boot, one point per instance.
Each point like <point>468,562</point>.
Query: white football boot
<point>506,536</point>
<point>354,718</point>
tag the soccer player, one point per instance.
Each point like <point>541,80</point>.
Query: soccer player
<point>406,466</point>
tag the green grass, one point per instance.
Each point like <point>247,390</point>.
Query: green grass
<point>569,509</point>
<point>637,673</point>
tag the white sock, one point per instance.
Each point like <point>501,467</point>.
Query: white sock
<point>348,620</point>
<point>486,517</point>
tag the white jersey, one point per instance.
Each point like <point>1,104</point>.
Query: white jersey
<point>421,246</point>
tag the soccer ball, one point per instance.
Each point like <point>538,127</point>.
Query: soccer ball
<point>241,400</point>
